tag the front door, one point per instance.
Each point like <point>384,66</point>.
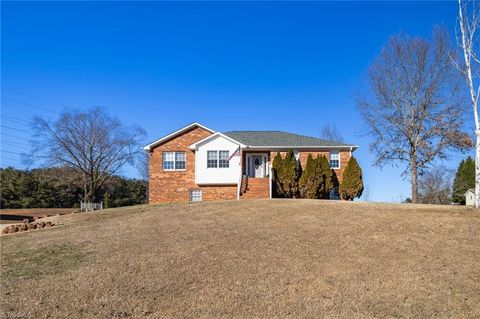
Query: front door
<point>257,165</point>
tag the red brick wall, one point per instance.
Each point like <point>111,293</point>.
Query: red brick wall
<point>165,186</point>
<point>224,192</point>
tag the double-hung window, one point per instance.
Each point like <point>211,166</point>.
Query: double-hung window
<point>212,159</point>
<point>217,159</point>
<point>334,159</point>
<point>223,159</point>
<point>180,161</point>
<point>174,161</point>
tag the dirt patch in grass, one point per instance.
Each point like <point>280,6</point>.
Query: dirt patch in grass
<point>54,259</point>
<point>254,259</point>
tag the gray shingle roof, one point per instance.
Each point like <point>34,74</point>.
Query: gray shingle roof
<point>279,139</point>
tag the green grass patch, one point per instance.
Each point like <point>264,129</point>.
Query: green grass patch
<point>48,260</point>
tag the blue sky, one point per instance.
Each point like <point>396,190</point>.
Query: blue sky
<point>230,66</point>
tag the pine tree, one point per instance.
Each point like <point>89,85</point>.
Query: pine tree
<point>464,180</point>
<point>290,175</point>
<point>309,180</point>
<point>335,182</point>
<point>325,173</point>
<point>277,165</point>
<point>352,183</point>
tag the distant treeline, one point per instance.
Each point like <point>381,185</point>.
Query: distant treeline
<point>63,188</point>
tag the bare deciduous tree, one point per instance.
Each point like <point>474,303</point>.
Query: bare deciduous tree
<point>93,143</point>
<point>434,186</point>
<point>143,165</point>
<point>469,19</point>
<point>331,133</point>
<point>366,193</point>
<point>413,104</point>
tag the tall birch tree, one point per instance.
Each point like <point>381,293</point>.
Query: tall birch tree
<point>469,19</point>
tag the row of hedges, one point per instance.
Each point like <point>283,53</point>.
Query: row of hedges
<point>316,181</point>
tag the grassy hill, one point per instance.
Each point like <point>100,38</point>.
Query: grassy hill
<point>277,258</point>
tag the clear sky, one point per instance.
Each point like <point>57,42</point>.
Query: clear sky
<point>230,66</point>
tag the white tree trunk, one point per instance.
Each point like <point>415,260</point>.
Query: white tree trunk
<point>468,29</point>
<point>477,171</point>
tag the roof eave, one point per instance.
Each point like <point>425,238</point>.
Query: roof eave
<point>203,140</point>
<point>177,132</point>
<point>346,147</point>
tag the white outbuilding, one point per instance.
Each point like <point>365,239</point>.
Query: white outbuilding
<point>470,197</point>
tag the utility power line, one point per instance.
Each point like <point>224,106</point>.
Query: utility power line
<point>5,151</point>
<point>27,104</point>
<point>15,136</point>
<point>36,97</point>
<point>14,143</point>
<point>8,117</point>
<point>8,158</point>
<point>13,128</point>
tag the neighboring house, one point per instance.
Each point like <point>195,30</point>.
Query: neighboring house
<point>470,197</point>
<point>196,163</point>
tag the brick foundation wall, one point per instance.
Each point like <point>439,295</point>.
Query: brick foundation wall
<point>220,192</point>
<point>174,186</point>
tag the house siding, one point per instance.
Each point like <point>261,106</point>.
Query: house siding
<point>217,176</point>
<point>174,186</point>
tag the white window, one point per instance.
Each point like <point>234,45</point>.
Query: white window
<point>212,159</point>
<point>195,195</point>
<point>217,159</point>
<point>174,161</point>
<point>223,159</point>
<point>334,159</point>
<point>180,161</point>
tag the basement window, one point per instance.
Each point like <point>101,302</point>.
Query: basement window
<point>195,195</point>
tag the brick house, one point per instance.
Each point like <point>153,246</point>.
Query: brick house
<point>197,163</point>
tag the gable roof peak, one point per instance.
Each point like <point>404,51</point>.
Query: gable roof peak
<point>175,133</point>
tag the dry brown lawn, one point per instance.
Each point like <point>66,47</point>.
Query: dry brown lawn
<point>248,259</point>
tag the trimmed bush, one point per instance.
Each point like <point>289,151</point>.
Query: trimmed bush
<point>325,174</point>
<point>352,182</point>
<point>308,184</point>
<point>290,175</point>
<point>277,164</point>
<point>286,175</point>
